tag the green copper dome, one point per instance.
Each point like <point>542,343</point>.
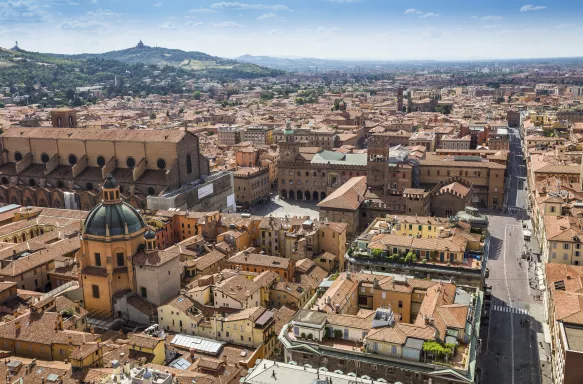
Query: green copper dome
<point>114,216</point>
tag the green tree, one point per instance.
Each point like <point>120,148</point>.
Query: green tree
<point>196,95</point>
<point>376,253</point>
<point>152,116</point>
<point>1,105</point>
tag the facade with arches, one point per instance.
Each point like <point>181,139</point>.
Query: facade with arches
<point>43,167</point>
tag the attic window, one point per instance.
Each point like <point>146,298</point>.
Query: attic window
<point>560,285</point>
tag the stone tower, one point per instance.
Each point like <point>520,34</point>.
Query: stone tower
<point>64,118</point>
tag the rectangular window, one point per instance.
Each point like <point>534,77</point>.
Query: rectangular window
<point>144,292</point>
<point>120,260</point>
<point>566,246</point>
<point>95,291</point>
<point>384,295</point>
<point>400,304</point>
<point>98,259</point>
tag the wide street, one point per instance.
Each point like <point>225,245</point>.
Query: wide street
<point>512,329</point>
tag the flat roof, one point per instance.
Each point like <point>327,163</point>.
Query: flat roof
<point>310,317</point>
<point>199,344</point>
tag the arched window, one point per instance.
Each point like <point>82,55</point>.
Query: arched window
<point>59,122</point>
<point>188,164</point>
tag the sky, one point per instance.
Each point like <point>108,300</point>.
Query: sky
<point>331,29</point>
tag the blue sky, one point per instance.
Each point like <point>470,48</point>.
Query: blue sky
<point>342,29</point>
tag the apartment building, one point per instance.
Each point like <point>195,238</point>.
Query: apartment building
<point>252,185</point>
<point>487,177</point>
<point>253,262</point>
<point>386,321</point>
<point>437,246</point>
<point>259,135</point>
<point>564,315</point>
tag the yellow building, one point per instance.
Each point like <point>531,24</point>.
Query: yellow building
<point>40,335</point>
<point>113,232</point>
<point>148,344</point>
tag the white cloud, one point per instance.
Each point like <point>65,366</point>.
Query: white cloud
<point>18,11</point>
<point>157,5</point>
<point>344,1</point>
<point>530,7</point>
<point>102,13</point>
<point>474,17</point>
<point>226,24</point>
<point>270,15</point>
<point>83,24</point>
<point>168,25</point>
<point>421,14</point>
<point>194,23</point>
<point>322,29</point>
<point>274,32</point>
<point>561,26</point>
<point>493,26</point>
<point>202,10</point>
<point>491,18</point>
<point>246,6</point>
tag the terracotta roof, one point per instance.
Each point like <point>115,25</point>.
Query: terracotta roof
<point>116,135</point>
<point>260,260</point>
<point>144,341</point>
<point>349,196</point>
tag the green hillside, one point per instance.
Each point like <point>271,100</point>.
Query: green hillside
<point>52,79</point>
<point>195,61</point>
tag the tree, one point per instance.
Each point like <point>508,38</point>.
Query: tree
<point>376,253</point>
<point>196,95</point>
<point>1,105</point>
<point>152,116</point>
<point>70,94</point>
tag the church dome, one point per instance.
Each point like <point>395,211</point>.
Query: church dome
<point>150,234</point>
<point>115,217</point>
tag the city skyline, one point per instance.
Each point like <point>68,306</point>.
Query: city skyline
<point>336,29</point>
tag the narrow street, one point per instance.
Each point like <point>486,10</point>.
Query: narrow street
<point>511,352</point>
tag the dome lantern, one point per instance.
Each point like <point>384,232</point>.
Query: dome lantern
<point>150,238</point>
<point>113,217</point>
<point>110,191</point>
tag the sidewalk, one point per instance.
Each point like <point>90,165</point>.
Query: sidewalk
<point>544,349</point>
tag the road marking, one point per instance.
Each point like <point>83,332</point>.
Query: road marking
<point>503,308</point>
<point>509,301</point>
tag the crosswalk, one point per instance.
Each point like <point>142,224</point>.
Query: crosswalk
<point>503,308</point>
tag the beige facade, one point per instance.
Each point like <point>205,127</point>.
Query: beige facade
<point>46,167</point>
<point>486,177</point>
<point>252,185</point>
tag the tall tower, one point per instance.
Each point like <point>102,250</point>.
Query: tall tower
<point>400,99</point>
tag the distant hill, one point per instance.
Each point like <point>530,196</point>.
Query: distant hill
<point>193,61</point>
<point>313,64</point>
